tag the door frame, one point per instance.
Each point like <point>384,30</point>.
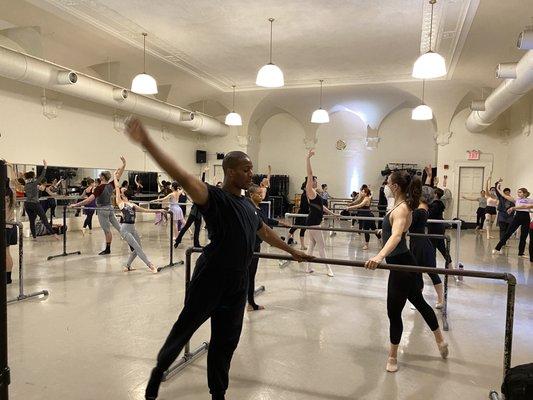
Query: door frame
<point>487,171</point>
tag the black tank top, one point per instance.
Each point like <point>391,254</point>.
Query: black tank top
<point>386,232</point>
<point>316,211</point>
<point>128,214</point>
<point>419,223</point>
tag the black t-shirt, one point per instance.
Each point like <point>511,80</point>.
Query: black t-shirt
<point>436,211</point>
<point>232,222</point>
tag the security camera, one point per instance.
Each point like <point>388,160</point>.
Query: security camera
<point>67,77</point>
<point>525,40</point>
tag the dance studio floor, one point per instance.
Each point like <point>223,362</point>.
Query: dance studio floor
<point>97,334</point>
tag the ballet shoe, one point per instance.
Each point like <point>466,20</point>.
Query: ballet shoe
<point>494,251</point>
<point>443,349</point>
<point>439,305</point>
<point>104,252</point>
<point>254,307</point>
<point>392,364</point>
<point>128,268</point>
<point>153,269</point>
<point>365,247</point>
<point>152,388</point>
<point>309,270</point>
<point>329,272</point>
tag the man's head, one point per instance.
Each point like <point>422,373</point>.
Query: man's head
<point>238,169</point>
<point>507,191</point>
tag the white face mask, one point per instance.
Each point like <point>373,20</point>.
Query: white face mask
<point>387,191</point>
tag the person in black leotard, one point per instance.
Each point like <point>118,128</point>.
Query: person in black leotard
<point>304,209</point>
<point>256,196</point>
<point>363,210</point>
<point>422,249</point>
<point>403,286</point>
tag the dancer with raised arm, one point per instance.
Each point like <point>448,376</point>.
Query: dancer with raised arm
<point>127,228</point>
<point>106,213</point>
<point>174,208</point>
<point>315,216</point>
<point>218,288</point>
<point>403,286</point>
<point>490,210</point>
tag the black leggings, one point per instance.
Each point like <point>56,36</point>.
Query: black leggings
<point>405,286</point>
<point>530,244</point>
<point>213,293</point>
<point>33,210</point>
<point>302,231</point>
<point>480,217</point>
<point>88,223</point>
<point>503,228</point>
<point>440,245</point>
<point>197,221</point>
<point>252,271</point>
<point>521,220</point>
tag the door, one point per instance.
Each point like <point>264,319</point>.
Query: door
<point>470,184</point>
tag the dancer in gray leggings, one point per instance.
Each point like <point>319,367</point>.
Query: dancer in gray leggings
<point>127,229</point>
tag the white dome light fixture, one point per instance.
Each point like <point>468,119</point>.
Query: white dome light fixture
<point>144,83</point>
<point>422,112</point>
<point>270,75</point>
<point>233,118</point>
<point>429,65</point>
<point>320,116</point>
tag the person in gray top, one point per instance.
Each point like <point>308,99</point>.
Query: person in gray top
<point>482,205</point>
<point>32,206</point>
<point>106,213</point>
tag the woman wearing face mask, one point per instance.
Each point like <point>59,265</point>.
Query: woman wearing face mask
<point>363,209</point>
<point>521,220</point>
<point>490,210</point>
<point>403,286</point>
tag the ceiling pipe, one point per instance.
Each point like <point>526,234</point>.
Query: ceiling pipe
<point>38,72</point>
<point>505,95</point>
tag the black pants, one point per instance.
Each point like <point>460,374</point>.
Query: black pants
<point>220,295</point>
<point>197,221</point>
<point>530,244</point>
<point>33,210</point>
<point>88,223</point>
<point>381,214</point>
<point>503,228</point>
<point>480,217</point>
<point>521,220</point>
<point>252,271</point>
<point>440,245</point>
<point>405,286</point>
<point>302,231</point>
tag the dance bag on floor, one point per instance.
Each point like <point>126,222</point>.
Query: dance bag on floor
<point>518,383</point>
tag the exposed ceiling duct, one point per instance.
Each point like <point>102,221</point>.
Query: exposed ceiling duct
<point>34,71</point>
<point>505,95</point>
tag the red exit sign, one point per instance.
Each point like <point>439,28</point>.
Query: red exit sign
<point>473,154</point>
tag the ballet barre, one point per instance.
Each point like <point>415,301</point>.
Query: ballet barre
<point>190,356</point>
<point>65,253</point>
<point>23,296</point>
<point>457,223</point>
<point>444,309</point>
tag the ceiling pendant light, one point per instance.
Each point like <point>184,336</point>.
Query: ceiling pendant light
<point>429,65</point>
<point>422,112</point>
<point>233,119</point>
<point>270,75</point>
<point>320,116</point>
<point>144,83</point>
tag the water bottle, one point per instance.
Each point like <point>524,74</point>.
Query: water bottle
<point>460,276</point>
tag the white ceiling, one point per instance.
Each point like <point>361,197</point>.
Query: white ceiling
<point>226,41</point>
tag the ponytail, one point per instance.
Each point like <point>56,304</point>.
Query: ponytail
<point>525,191</point>
<point>410,186</point>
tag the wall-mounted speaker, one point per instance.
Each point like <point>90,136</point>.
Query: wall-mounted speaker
<point>220,156</point>
<point>201,157</point>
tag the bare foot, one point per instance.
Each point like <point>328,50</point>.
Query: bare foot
<point>153,269</point>
<point>443,349</point>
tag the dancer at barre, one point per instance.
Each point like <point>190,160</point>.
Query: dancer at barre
<point>490,210</point>
<point>174,207</point>
<point>10,231</point>
<point>254,192</point>
<point>90,208</point>
<point>302,209</point>
<point>421,247</point>
<point>218,288</point>
<point>32,206</point>
<point>363,210</point>
<point>521,220</point>
<point>106,213</point>
<point>315,216</point>
<point>481,209</point>
<point>265,184</point>
<point>195,217</point>
<point>403,286</point>
<point>127,228</point>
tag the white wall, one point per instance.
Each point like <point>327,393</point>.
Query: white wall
<point>520,154</point>
<point>81,136</point>
<point>402,140</point>
<point>491,142</point>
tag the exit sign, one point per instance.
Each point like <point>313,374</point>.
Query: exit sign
<point>473,154</point>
